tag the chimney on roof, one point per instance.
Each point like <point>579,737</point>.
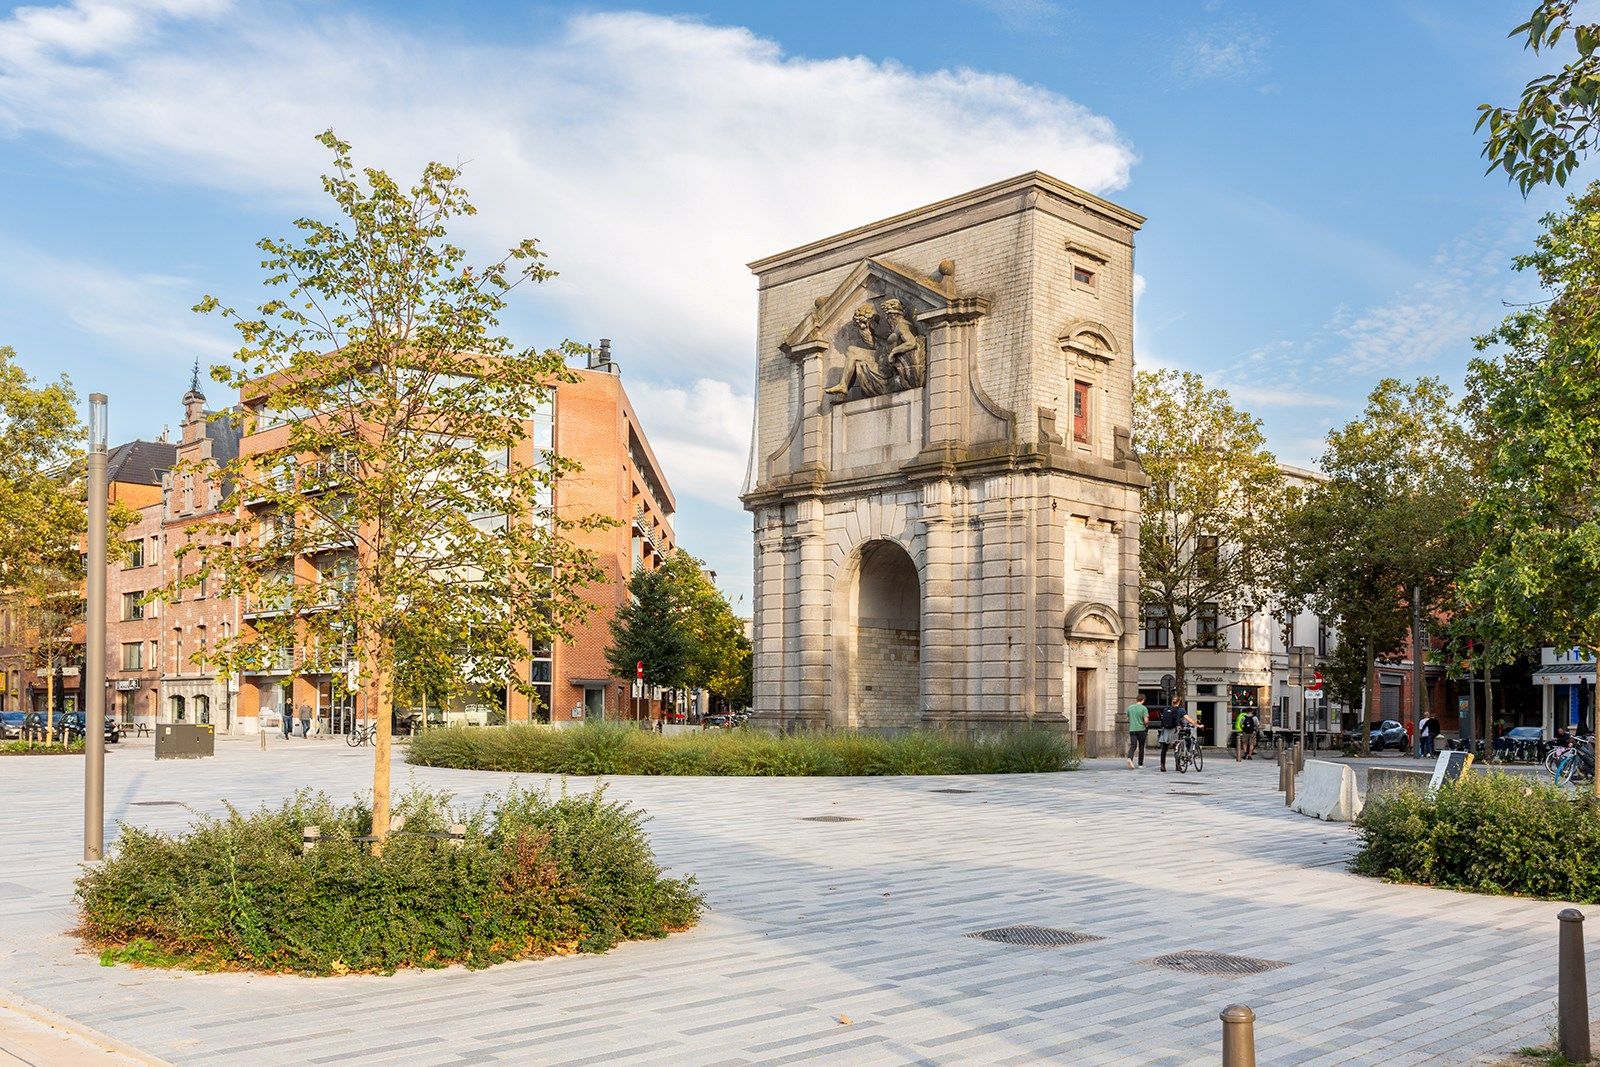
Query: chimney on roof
<point>600,358</point>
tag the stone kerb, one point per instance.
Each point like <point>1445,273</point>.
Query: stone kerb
<point>1327,791</point>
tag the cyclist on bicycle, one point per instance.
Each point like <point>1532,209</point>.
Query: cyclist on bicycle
<point>1173,719</point>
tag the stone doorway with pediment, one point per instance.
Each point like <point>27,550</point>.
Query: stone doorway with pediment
<point>882,637</point>
<point>1093,632</point>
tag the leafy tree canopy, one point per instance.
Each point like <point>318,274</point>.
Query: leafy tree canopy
<point>1553,127</point>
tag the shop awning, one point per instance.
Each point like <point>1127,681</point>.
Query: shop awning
<point>1565,674</point>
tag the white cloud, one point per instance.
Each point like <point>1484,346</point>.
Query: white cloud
<point>146,315</point>
<point>652,156</point>
<point>700,433</point>
<point>1227,52</point>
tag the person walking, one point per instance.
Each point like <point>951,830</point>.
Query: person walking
<point>1248,727</point>
<point>1172,718</point>
<point>287,716</point>
<point>305,720</point>
<point>1428,731</point>
<point>1410,732</point>
<point>1138,727</point>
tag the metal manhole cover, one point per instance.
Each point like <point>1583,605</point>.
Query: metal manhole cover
<point>829,818</point>
<point>1034,936</point>
<point>951,790</point>
<point>155,803</point>
<point>1215,964</point>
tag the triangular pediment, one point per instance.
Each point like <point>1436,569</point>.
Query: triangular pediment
<point>870,278</point>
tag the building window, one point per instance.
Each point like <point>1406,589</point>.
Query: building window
<point>135,554</point>
<point>1156,634</point>
<point>1080,412</point>
<point>1083,276</point>
<point>1206,633</point>
<point>133,656</point>
<point>1247,634</point>
<point>1288,632</point>
<point>132,607</point>
<point>1205,555</point>
<point>1322,639</point>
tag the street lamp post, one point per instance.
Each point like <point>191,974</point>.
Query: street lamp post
<point>94,666</point>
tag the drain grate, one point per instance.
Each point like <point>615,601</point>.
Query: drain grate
<point>1214,964</point>
<point>1186,793</point>
<point>155,803</point>
<point>830,818</point>
<point>951,790</point>
<point>1034,936</point>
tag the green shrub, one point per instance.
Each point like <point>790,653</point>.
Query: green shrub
<point>534,876</point>
<point>614,748</point>
<point>1487,833</point>
<point>40,748</point>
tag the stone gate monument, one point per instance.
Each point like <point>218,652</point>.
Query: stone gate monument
<point>946,502</point>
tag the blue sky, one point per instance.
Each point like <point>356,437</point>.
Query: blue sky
<point>1318,213</point>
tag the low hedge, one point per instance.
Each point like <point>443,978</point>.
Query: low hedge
<point>609,748</point>
<point>1486,833</point>
<point>535,876</point>
<point>41,748</point>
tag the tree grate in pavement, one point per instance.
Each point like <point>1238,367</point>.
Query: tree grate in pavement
<point>1034,936</point>
<point>951,790</point>
<point>1214,964</point>
<point>829,818</point>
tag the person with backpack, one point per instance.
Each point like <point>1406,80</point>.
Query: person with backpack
<point>1172,720</point>
<point>1249,726</point>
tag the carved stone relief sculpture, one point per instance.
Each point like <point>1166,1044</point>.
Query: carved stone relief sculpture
<point>889,360</point>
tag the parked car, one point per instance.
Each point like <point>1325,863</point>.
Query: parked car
<point>1388,734</point>
<point>1520,742</point>
<point>11,724</point>
<point>71,727</point>
<point>718,721</point>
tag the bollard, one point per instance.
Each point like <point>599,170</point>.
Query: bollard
<point>1299,757</point>
<point>1288,793</point>
<point>458,833</point>
<point>309,838</point>
<point>1572,995</point>
<point>1238,1036</point>
<point>1283,773</point>
<point>261,735</point>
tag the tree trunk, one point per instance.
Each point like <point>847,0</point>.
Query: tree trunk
<point>1488,700</point>
<point>1180,650</point>
<point>49,702</point>
<point>380,701</point>
<point>1596,650</point>
<point>1366,702</point>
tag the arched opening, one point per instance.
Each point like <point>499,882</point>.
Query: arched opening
<point>202,708</point>
<point>887,665</point>
<point>175,702</point>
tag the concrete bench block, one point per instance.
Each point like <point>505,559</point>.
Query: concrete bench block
<point>1394,779</point>
<point>1327,791</point>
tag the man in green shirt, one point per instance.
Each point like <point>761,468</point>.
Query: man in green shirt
<point>1138,723</point>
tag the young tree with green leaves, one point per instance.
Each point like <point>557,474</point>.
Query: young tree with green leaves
<point>42,511</point>
<point>393,512</point>
<point>1536,409</point>
<point>1383,523</point>
<point>1211,515</point>
<point>650,630</point>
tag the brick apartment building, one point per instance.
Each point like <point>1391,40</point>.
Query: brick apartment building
<point>591,422</point>
<point>133,473</point>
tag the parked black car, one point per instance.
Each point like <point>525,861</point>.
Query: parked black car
<point>1388,734</point>
<point>71,728</point>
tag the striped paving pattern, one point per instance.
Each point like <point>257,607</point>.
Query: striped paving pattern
<point>845,942</point>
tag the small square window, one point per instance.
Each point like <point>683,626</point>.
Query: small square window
<point>1083,276</point>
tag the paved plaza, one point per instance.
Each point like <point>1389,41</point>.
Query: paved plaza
<point>841,941</point>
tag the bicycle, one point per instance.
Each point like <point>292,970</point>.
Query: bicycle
<point>362,733</point>
<point>1576,764</point>
<point>1187,751</point>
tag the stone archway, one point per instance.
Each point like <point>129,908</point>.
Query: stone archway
<point>885,639</point>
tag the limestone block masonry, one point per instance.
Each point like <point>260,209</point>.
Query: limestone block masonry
<point>945,498</point>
